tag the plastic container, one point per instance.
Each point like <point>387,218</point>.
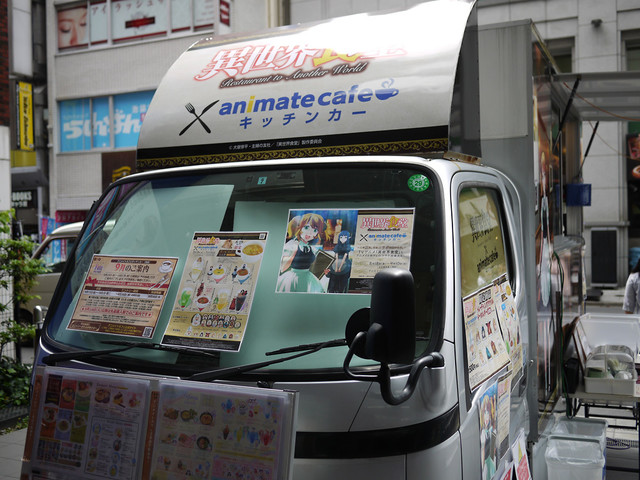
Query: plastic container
<point>612,329</point>
<point>574,459</point>
<point>614,386</point>
<point>601,342</point>
<point>580,428</point>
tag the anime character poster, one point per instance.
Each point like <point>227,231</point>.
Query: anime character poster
<point>547,176</point>
<point>316,257</point>
<point>489,432</point>
<point>341,250</point>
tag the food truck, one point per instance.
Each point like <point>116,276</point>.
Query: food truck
<point>337,261</point>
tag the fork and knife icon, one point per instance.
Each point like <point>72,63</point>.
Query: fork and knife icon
<point>191,109</point>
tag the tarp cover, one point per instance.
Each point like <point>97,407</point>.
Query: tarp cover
<point>362,84</point>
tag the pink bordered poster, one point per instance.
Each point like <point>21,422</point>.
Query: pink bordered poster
<point>123,295</point>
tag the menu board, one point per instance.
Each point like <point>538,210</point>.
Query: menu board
<point>123,295</point>
<point>88,425</point>
<point>486,350</point>
<point>96,425</point>
<point>219,433</point>
<point>216,290</point>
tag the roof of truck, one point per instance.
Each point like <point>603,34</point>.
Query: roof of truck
<point>361,84</point>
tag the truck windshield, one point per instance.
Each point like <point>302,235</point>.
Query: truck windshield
<point>239,261</point>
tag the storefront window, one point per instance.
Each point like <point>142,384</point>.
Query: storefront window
<point>86,124</point>
<point>86,24</point>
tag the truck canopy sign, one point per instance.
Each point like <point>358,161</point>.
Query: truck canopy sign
<point>367,84</point>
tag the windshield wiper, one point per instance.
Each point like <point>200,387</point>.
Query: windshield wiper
<point>124,345</point>
<point>221,373</point>
<point>340,342</point>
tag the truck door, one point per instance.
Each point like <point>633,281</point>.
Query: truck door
<point>488,281</point>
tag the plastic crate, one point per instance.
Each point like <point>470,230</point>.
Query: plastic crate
<point>574,459</point>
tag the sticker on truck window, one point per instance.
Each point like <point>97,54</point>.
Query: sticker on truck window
<point>418,183</point>
<point>216,290</point>
<point>341,250</point>
<point>507,312</point>
<point>123,295</point>
<point>486,350</point>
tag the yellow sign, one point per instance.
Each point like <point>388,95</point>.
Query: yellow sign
<point>120,172</point>
<point>481,246</point>
<point>25,117</point>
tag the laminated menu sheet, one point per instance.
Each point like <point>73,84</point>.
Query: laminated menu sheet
<point>90,425</point>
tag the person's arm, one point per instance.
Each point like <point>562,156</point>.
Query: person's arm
<point>629,304</point>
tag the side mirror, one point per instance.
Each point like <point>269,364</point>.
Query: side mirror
<point>386,333</point>
<point>391,337</point>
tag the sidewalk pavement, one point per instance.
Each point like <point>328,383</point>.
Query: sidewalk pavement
<point>11,450</point>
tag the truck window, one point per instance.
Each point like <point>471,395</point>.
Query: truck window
<point>492,332</point>
<point>157,215</point>
<point>482,248</point>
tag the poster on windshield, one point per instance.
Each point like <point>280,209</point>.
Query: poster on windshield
<point>507,311</point>
<point>341,250</point>
<point>216,290</point>
<point>123,295</point>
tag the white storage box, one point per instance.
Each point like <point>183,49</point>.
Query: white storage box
<point>608,329</point>
<point>574,459</point>
<point>607,347</point>
<point>611,382</point>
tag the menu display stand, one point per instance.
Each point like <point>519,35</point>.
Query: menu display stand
<point>95,425</point>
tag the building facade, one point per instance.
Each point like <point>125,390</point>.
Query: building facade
<point>593,36</point>
<point>105,59</point>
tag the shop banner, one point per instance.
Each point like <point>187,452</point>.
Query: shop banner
<point>129,112</point>
<point>75,125</point>
<point>311,90</point>
<point>25,117</point>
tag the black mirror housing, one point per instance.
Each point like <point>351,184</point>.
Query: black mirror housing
<point>386,333</point>
<point>391,337</point>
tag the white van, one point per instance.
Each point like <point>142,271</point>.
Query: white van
<point>61,241</point>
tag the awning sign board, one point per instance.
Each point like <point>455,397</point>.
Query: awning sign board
<point>363,84</point>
